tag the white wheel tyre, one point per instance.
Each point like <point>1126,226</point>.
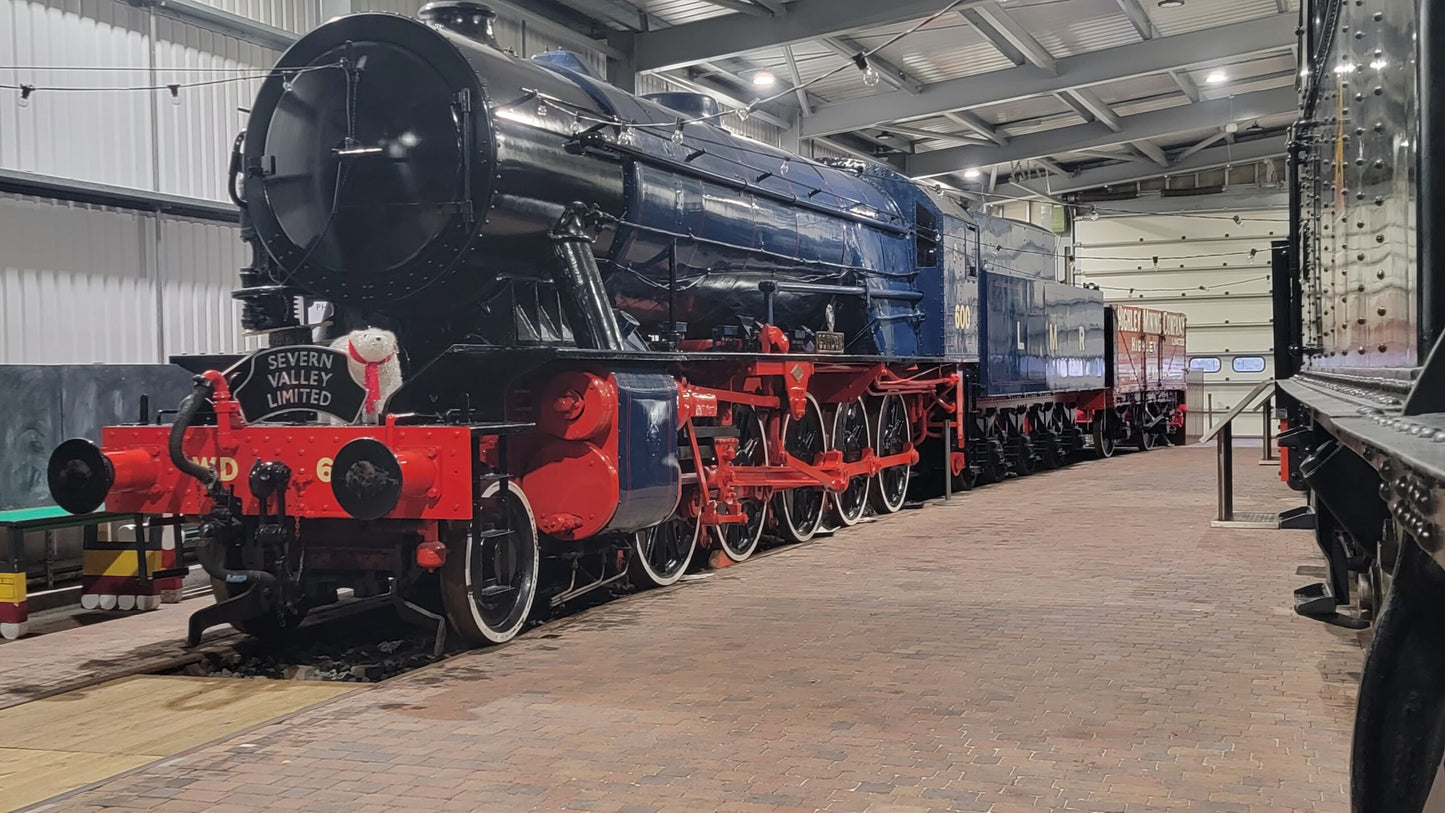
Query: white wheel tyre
<point>107,601</point>
<point>90,601</point>
<point>890,487</point>
<point>124,602</point>
<point>661,554</point>
<point>1103,439</point>
<point>465,599</point>
<point>851,503</point>
<point>801,509</point>
<point>740,540</point>
<point>10,631</point>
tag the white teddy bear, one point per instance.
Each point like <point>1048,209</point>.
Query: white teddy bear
<point>372,361</point>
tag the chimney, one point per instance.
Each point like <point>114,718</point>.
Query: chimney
<point>465,17</point>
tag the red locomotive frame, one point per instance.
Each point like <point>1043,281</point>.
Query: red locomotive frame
<point>772,439</point>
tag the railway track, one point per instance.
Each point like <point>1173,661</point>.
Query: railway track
<point>357,641</point>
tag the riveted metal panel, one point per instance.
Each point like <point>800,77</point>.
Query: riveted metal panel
<point>1359,196</point>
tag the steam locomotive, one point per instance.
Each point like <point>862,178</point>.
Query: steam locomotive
<point>1359,314</point>
<point>625,335</point>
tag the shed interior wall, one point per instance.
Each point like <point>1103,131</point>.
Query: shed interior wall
<point>81,283</point>
<point>1205,271</point>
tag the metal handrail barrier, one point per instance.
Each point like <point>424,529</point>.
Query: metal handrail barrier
<point>1267,407</point>
<point>1223,435</point>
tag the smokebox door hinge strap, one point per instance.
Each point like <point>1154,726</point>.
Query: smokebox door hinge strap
<point>463,104</point>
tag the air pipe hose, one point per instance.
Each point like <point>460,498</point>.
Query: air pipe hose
<point>224,516</point>
<point>200,393</point>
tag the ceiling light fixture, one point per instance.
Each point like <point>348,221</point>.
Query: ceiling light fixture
<point>972,174</point>
<point>870,74</point>
<point>764,79</point>
<point>1216,78</point>
<point>1171,3</point>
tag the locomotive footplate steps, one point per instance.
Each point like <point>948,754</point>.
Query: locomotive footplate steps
<point>1316,602</point>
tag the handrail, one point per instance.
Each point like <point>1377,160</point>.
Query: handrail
<point>1225,446</point>
<point>1248,402</point>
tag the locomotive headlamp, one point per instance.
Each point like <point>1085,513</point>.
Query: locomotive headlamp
<point>81,476</point>
<point>368,479</point>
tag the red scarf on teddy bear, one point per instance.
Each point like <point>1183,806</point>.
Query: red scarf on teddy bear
<point>373,377</point>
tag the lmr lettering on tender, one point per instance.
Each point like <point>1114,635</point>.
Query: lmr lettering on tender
<point>299,378</point>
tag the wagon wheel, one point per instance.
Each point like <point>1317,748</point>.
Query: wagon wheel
<point>1050,456</point>
<point>893,434</point>
<point>1045,441</point>
<point>661,554</point>
<point>801,509</point>
<point>489,580</point>
<point>965,480</point>
<point>739,539</point>
<point>1023,454</point>
<point>1103,438</point>
<point>1148,438</point>
<point>990,455</point>
<point>1368,592</point>
<point>852,436</point>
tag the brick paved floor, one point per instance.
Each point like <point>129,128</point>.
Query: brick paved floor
<point>1079,640</point>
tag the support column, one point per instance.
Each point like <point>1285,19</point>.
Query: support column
<point>1224,441</point>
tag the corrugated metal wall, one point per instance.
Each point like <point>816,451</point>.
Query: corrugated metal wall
<point>1205,271</point>
<point>83,284</point>
<point>92,136</point>
<point>197,263</point>
<point>142,139</point>
<point>75,284</point>
<point>288,15</point>
<point>194,136</point>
